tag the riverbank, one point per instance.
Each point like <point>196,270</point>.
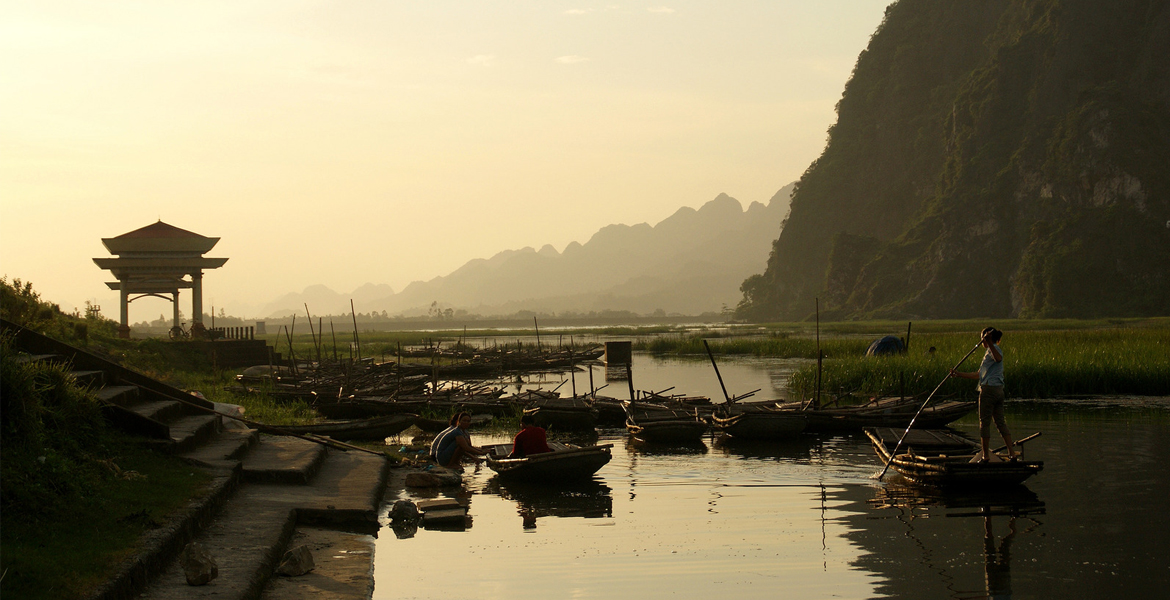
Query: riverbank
<point>1046,359</point>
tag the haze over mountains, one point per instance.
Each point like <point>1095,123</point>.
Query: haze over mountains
<point>690,263</point>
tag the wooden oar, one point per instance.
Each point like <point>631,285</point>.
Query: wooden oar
<point>920,408</point>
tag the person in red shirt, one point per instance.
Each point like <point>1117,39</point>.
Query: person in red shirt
<point>530,440</point>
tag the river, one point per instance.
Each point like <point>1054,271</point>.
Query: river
<point>807,518</point>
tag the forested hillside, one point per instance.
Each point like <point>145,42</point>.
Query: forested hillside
<point>991,158</point>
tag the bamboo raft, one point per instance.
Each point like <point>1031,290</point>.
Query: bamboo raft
<point>941,458</point>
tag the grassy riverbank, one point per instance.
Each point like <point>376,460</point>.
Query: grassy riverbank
<point>1044,358</point>
<point>77,495</point>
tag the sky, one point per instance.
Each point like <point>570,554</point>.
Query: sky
<point>344,143</point>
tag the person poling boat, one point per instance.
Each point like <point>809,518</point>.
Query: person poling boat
<point>991,398</point>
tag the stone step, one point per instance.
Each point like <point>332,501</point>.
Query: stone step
<point>122,395</point>
<point>246,540</point>
<point>188,432</point>
<point>165,411</point>
<point>249,537</point>
<point>224,448</point>
<point>278,459</point>
<point>90,379</point>
<point>31,358</point>
<point>348,489</point>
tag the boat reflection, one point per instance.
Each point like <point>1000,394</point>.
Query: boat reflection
<point>1015,501</point>
<point>636,446</point>
<point>937,557</point>
<point>589,499</point>
<point>799,447</point>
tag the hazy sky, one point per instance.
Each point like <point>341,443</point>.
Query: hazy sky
<point>389,141</point>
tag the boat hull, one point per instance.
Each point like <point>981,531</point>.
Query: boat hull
<point>950,467</point>
<point>669,432</point>
<point>562,464</point>
<point>762,424</point>
<point>377,428</point>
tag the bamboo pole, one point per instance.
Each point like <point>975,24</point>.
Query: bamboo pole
<point>356,342</point>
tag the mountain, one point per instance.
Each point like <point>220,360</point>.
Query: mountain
<point>991,158</point>
<point>689,263</point>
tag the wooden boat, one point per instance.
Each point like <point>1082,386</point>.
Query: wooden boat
<point>941,458</point>
<point>660,424</point>
<point>882,412</point>
<point>377,428</point>
<point>759,422</point>
<point>563,414</point>
<point>564,463</point>
<point>437,425</point>
<point>675,431</point>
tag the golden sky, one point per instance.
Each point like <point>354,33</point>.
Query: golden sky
<point>389,141</point>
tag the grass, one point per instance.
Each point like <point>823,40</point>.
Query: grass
<point>1044,358</point>
<point>66,553</point>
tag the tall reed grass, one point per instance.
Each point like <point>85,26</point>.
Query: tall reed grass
<point>1038,364</point>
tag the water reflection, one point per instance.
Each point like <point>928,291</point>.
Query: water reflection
<point>636,446</point>
<point>799,447</point>
<point>589,499</point>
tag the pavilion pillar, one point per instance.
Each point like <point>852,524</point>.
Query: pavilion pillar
<point>124,309</point>
<point>175,302</point>
<point>197,297</point>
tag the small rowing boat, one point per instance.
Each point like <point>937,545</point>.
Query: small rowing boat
<point>941,458</point>
<point>564,463</point>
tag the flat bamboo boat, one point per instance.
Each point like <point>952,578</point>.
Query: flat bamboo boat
<point>377,428</point>
<point>762,422</point>
<point>942,458</point>
<point>883,412</point>
<point>563,414</point>
<point>564,463</point>
<point>658,424</point>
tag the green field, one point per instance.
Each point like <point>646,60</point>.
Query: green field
<point>1045,358</point>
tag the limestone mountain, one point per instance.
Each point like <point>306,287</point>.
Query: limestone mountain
<point>991,158</point>
<point>689,263</point>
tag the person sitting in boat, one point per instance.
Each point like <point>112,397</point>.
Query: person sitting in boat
<point>990,377</point>
<point>453,443</point>
<point>531,439</point>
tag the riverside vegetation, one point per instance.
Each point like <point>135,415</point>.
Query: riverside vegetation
<point>78,494</point>
<point>1045,358</point>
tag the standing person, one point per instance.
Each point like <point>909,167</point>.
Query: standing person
<point>530,440</point>
<point>990,378</point>
<point>453,443</point>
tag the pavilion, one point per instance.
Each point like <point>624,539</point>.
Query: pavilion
<point>155,261</point>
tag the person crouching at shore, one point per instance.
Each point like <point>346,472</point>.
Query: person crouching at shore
<point>453,443</point>
<point>990,377</point>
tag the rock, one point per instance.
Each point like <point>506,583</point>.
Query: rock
<point>404,511</point>
<point>404,530</point>
<point>296,562</point>
<point>198,564</point>
<point>422,480</point>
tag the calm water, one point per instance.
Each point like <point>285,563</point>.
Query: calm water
<point>806,519</point>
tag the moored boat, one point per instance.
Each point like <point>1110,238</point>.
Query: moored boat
<point>759,422</point>
<point>377,428</point>
<point>942,458</point>
<point>564,463</point>
<point>882,412</point>
<point>563,414</point>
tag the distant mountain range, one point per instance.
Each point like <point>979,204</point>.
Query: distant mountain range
<point>690,263</point>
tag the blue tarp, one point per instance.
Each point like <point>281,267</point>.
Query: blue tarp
<point>886,345</point>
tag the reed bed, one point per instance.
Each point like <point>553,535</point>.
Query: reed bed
<point>1039,364</point>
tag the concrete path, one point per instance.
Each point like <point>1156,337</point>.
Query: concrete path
<point>287,482</point>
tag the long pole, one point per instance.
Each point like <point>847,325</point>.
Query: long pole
<point>723,387</point>
<point>920,408</point>
<point>816,403</point>
<point>537,327</point>
<point>356,343</point>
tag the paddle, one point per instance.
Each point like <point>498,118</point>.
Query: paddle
<point>920,408</point>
